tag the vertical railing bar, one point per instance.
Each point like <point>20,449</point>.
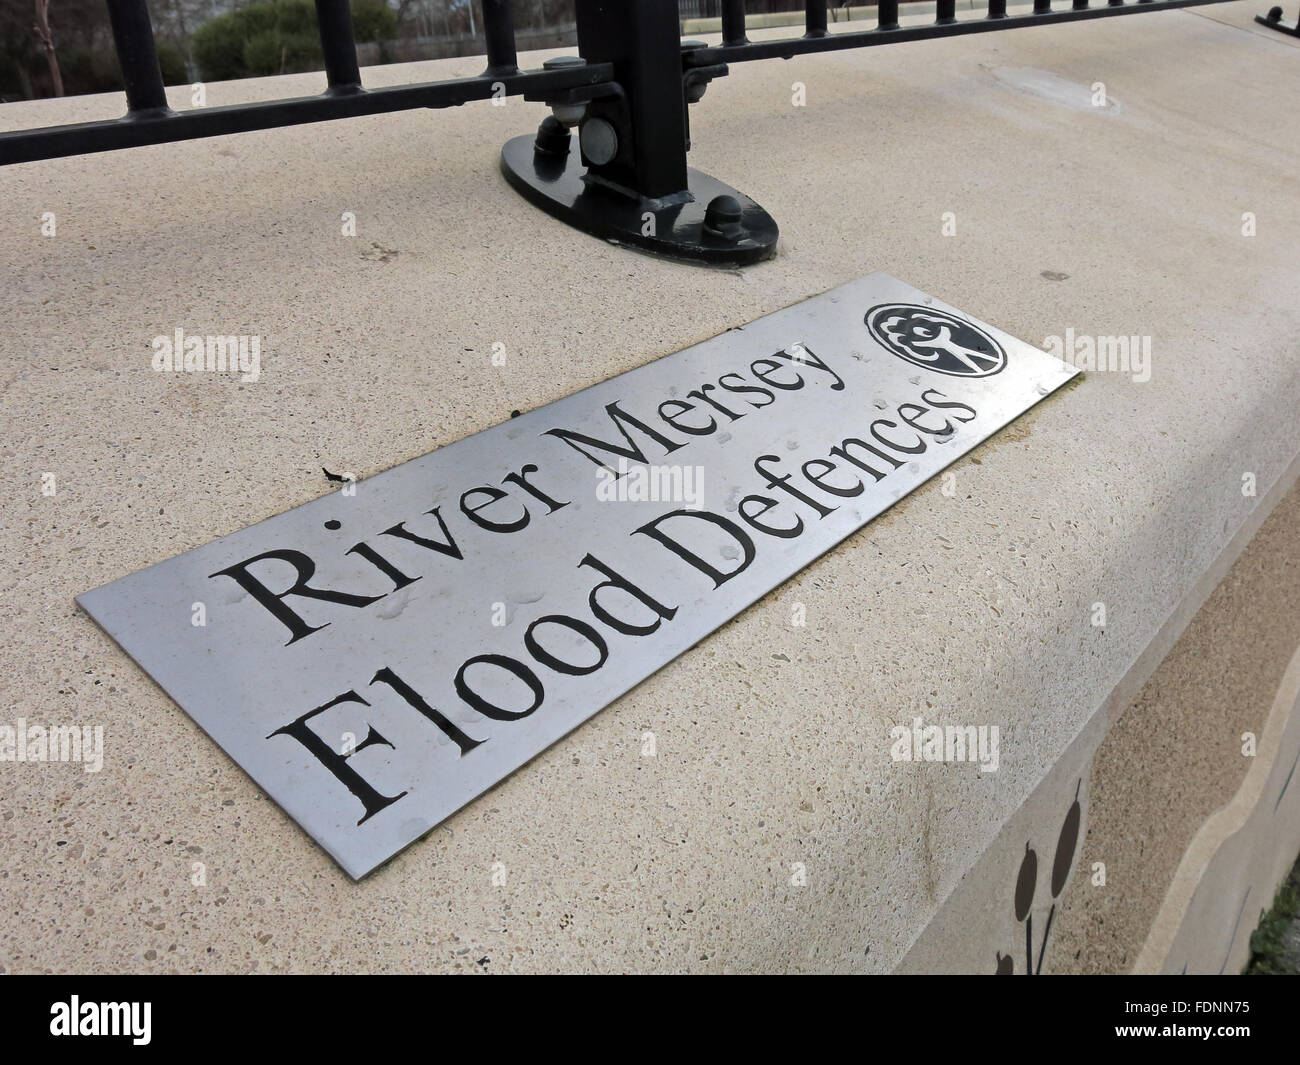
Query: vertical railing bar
<point>887,18</point>
<point>499,30</point>
<point>945,12</point>
<point>733,22</point>
<point>1042,7</point>
<point>137,56</point>
<point>334,19</point>
<point>1080,5</point>
<point>815,18</point>
<point>997,8</point>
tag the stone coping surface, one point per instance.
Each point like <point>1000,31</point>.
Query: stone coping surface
<point>772,740</point>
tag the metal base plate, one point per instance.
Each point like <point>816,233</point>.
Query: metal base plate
<point>559,187</point>
<point>1280,24</point>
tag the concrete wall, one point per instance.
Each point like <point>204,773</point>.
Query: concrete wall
<point>1187,813</point>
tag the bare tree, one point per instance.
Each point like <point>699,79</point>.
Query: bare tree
<point>42,28</point>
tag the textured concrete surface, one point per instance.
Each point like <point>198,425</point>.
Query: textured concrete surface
<point>1149,818</point>
<point>1176,756</point>
<point>772,740</point>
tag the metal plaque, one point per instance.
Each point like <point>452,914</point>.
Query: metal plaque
<point>378,657</point>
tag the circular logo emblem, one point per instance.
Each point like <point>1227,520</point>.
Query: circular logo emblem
<point>935,339</point>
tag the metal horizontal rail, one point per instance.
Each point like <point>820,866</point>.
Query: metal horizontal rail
<point>162,126</point>
<point>737,49</point>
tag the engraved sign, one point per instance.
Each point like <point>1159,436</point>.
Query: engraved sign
<point>379,656</point>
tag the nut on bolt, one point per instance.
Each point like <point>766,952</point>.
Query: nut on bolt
<point>552,137</point>
<point>569,114</point>
<point>722,218</point>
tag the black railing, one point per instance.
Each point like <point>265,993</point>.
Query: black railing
<point>888,31</point>
<point>150,121</point>
<point>627,93</point>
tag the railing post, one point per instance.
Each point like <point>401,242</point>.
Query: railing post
<point>733,22</point>
<point>815,18</point>
<point>642,38</point>
<point>628,181</point>
<point>133,38</point>
<point>499,34</point>
<point>334,20</point>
